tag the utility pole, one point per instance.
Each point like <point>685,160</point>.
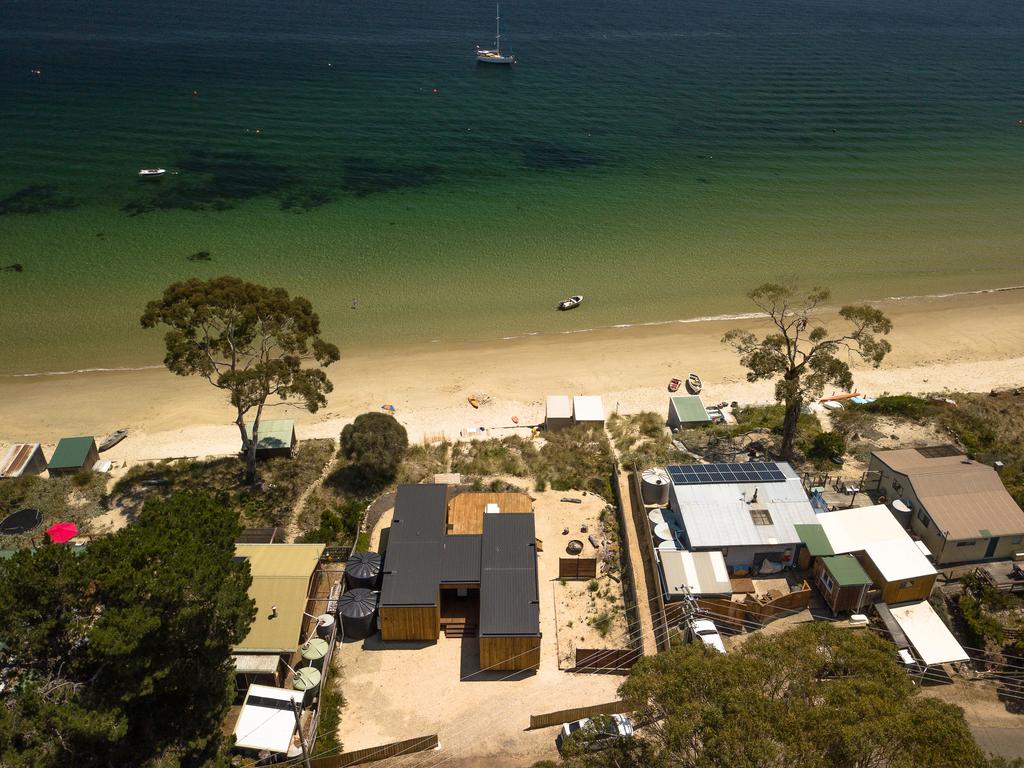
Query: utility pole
<point>298,724</point>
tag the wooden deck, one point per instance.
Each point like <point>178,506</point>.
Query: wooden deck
<point>466,510</point>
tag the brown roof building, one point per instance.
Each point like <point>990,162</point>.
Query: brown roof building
<point>959,507</point>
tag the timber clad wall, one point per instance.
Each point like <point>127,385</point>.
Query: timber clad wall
<point>497,653</point>
<point>895,591</point>
<point>410,623</point>
<point>839,599</point>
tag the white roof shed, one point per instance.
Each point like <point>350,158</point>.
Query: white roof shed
<point>874,531</point>
<point>267,720</point>
<point>932,640</point>
<point>588,408</point>
<point>559,407</point>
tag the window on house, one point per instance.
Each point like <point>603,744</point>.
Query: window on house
<point>923,517</point>
<point>760,517</point>
<point>906,585</point>
<point>1017,540</point>
<point>826,581</point>
<point>966,543</point>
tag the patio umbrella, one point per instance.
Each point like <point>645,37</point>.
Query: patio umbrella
<point>61,532</point>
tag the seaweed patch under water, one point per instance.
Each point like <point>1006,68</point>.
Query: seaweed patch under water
<point>38,198</point>
<point>365,177</point>
<point>200,256</point>
<point>305,199</point>
<point>16,267</point>
<point>212,180</point>
<point>550,155</point>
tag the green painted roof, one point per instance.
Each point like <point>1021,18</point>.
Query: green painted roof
<point>846,570</point>
<point>274,433</point>
<point>813,536</point>
<point>71,452</point>
<point>690,408</point>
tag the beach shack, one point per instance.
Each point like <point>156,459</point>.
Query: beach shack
<point>72,455</point>
<point>958,506</point>
<point>558,414</point>
<point>588,409</point>
<point>276,437</point>
<point>22,459</point>
<point>687,412</point>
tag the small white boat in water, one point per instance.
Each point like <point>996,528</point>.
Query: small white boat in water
<point>152,172</point>
<point>495,56</point>
<point>571,303</point>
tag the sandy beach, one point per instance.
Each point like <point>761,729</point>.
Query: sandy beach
<point>966,342</point>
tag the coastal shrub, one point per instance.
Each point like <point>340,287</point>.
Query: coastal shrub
<point>52,497</point>
<point>643,439</point>
<point>422,462</point>
<point>902,407</point>
<point>375,443</point>
<point>512,455</point>
<point>825,445</point>
<point>603,622</point>
<point>579,457</point>
<point>331,702</point>
<point>339,524</point>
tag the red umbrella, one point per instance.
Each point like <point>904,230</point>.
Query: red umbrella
<point>61,532</point>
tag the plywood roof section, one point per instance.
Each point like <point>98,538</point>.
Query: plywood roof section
<point>466,511</point>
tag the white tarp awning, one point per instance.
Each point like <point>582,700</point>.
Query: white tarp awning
<point>588,408</point>
<point>933,642</point>
<point>267,720</point>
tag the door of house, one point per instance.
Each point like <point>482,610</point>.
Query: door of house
<point>992,544</point>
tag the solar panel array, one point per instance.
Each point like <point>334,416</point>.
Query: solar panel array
<point>716,474</point>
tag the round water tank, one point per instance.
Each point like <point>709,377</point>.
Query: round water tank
<point>357,610</point>
<point>363,570</point>
<point>654,486</point>
<point>307,680</point>
<point>314,651</point>
<point>324,625</point>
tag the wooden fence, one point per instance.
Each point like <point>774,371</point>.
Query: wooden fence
<point>626,561</point>
<point>569,715</point>
<point>370,754</point>
<point>577,567</point>
<point>605,659</point>
<point>659,611</point>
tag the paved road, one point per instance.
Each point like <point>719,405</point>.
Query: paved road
<point>1008,742</point>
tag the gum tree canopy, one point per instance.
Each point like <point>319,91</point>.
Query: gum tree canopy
<point>803,355</point>
<point>252,341</point>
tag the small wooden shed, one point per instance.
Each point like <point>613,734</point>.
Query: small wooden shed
<point>687,411</point>
<point>558,414</point>
<point>842,582</point>
<point>72,455</point>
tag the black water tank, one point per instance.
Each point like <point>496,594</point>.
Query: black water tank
<point>363,571</point>
<point>357,610</point>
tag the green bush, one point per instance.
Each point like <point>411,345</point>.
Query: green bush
<point>902,406</point>
<point>338,525</point>
<point>375,443</point>
<point>603,622</point>
<point>825,445</point>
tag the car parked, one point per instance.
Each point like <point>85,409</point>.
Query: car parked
<point>704,631</point>
<point>596,733</point>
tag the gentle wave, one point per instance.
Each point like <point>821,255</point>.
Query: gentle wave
<point>80,370</point>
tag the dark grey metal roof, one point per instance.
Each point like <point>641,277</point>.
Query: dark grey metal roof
<point>460,562</point>
<point>509,601</point>
<point>412,565</point>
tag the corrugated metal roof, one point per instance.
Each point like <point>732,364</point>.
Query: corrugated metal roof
<point>21,457</point>
<point>814,538</point>
<point>965,499</point>
<point>412,565</point>
<point>689,408</point>
<point>694,573</point>
<point>71,452</point>
<point>876,532</point>
<point>509,602</point>
<point>846,570</point>
<point>280,577</point>
<point>274,433</point>
<point>460,562</point>
<point>718,515</point>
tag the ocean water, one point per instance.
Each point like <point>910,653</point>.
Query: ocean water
<point>660,158</point>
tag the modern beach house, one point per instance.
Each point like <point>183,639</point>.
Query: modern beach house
<point>436,577</point>
<point>959,507</point>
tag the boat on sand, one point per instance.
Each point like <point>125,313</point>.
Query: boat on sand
<point>693,384</point>
<point>113,439</point>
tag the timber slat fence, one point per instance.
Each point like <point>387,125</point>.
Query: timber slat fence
<point>371,754</point>
<point>569,715</point>
<point>626,561</point>
<point>606,659</point>
<point>577,567</point>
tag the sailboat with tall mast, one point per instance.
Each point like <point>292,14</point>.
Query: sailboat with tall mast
<point>495,56</point>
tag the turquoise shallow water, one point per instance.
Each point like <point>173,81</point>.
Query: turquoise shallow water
<point>660,158</point>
